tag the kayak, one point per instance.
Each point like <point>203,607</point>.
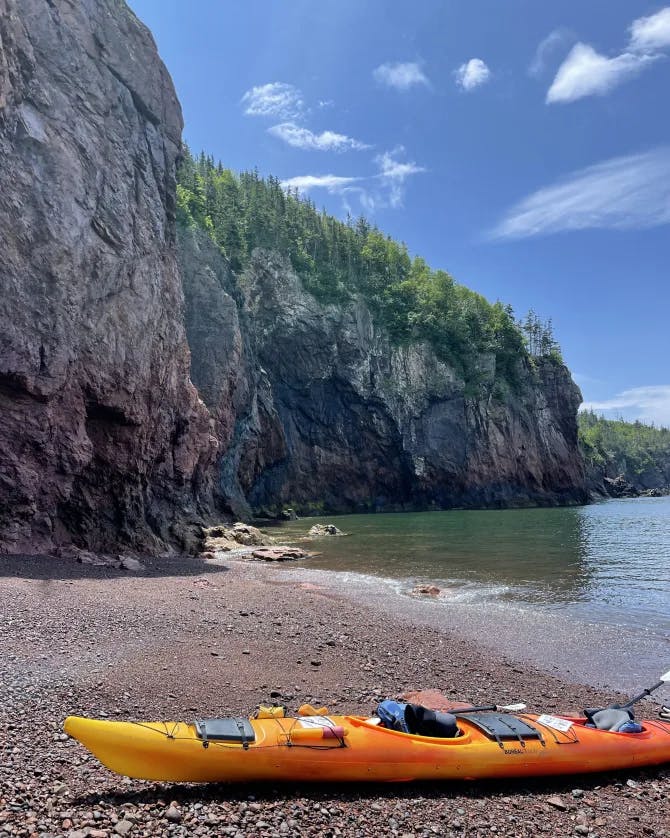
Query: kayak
<point>334,748</point>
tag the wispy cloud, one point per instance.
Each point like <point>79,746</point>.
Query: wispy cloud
<point>385,188</point>
<point>400,76</point>
<point>586,72</point>
<point>332,183</point>
<point>472,74</point>
<point>623,193</point>
<point>648,404</point>
<point>546,48</point>
<point>276,99</point>
<point>393,173</point>
<point>299,137</point>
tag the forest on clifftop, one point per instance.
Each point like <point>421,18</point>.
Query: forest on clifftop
<point>336,259</point>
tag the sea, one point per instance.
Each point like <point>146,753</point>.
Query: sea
<point>583,592</point>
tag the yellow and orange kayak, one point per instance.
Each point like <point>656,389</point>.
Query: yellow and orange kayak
<point>331,748</point>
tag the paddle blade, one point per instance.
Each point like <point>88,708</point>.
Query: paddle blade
<point>513,708</point>
<point>665,678</point>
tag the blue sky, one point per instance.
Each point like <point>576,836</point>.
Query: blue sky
<point>523,146</point>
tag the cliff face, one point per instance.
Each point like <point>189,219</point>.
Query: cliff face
<point>618,477</point>
<point>332,415</point>
<point>103,438</point>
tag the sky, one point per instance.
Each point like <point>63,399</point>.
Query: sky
<point>523,146</point>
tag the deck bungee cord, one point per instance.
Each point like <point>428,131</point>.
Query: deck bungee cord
<point>294,736</point>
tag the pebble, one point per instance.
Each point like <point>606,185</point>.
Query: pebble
<point>173,813</point>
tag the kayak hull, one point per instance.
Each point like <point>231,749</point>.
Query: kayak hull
<point>173,752</point>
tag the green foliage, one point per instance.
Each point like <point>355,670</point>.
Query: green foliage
<point>540,337</point>
<point>337,259</point>
<point>629,448</point>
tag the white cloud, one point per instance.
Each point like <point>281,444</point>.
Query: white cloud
<point>394,169</point>
<point>648,404</point>
<point>384,189</point>
<point>585,72</point>
<point>400,76</point>
<point>651,33</point>
<point>299,137</point>
<point>393,173</point>
<point>623,193</point>
<point>305,183</point>
<point>274,99</point>
<point>472,74</point>
<point>545,49</point>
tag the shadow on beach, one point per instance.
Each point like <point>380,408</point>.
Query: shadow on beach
<point>321,792</point>
<point>53,568</point>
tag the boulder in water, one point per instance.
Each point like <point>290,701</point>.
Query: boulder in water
<point>426,590</point>
<point>324,529</point>
<point>279,554</point>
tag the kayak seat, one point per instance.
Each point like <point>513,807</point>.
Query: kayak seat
<point>225,730</point>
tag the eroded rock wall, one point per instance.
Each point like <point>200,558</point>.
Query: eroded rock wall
<point>226,371</point>
<point>103,439</point>
<point>336,417</point>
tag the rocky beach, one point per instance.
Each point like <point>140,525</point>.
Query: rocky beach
<point>182,638</point>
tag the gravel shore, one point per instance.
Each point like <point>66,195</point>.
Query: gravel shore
<point>183,638</point>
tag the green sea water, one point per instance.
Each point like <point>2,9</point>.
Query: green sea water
<point>556,570</point>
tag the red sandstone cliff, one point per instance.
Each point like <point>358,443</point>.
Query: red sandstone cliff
<point>103,438</point>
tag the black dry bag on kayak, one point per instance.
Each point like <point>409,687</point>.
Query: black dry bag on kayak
<point>413,718</point>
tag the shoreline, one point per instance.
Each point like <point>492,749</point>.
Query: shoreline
<point>529,635</point>
<point>184,638</point>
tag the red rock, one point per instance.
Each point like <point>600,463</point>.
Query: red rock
<point>103,438</point>
<point>428,590</point>
<point>279,554</point>
<point>435,700</point>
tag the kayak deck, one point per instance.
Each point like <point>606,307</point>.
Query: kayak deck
<point>286,749</point>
